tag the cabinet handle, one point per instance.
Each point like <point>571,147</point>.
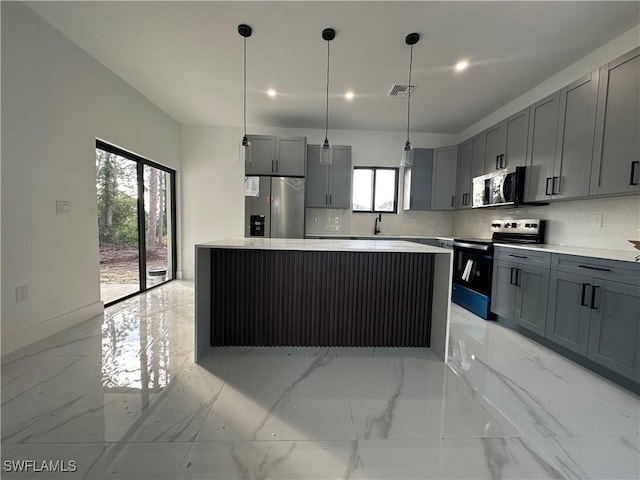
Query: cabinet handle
<point>584,290</point>
<point>518,272</point>
<point>453,200</point>
<point>326,199</point>
<point>330,200</point>
<point>594,289</point>
<point>518,256</point>
<point>277,165</point>
<point>273,165</point>
<point>511,277</point>
<point>497,162</point>
<point>553,186</point>
<point>600,269</point>
<point>634,164</point>
<point>503,164</point>
<point>546,190</point>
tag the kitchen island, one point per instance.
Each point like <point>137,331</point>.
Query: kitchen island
<point>303,292</point>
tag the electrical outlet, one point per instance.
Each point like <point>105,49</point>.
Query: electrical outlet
<point>21,294</point>
<point>596,220</point>
<point>62,207</point>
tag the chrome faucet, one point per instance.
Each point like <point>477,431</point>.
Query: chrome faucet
<point>376,228</point>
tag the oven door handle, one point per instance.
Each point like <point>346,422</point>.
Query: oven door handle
<point>472,246</point>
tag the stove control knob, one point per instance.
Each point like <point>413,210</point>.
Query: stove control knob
<point>527,225</point>
<point>534,225</point>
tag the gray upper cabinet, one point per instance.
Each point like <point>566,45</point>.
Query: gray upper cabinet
<point>576,134</point>
<point>443,184</point>
<point>506,143</point>
<point>616,166</point>
<point>273,155</point>
<point>328,186</point>
<point>478,153</point>
<point>541,150</point>
<point>417,181</point>
<point>463,189</point>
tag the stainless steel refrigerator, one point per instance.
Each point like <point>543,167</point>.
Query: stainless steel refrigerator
<point>274,207</point>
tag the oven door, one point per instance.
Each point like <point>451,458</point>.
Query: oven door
<point>472,275</point>
<point>473,266</point>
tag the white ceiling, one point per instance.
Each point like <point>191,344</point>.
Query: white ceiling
<point>186,57</point>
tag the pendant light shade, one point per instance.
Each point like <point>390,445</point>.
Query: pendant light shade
<point>407,152</point>
<point>245,145</point>
<point>326,149</point>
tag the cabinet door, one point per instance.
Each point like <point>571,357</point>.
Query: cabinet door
<point>418,180</point>
<point>543,129</point>
<point>340,178</point>
<point>444,178</point>
<point>263,155</point>
<point>290,156</point>
<point>576,132</point>
<point>463,189</point>
<point>478,152</point>
<point>531,298</point>
<point>568,311</point>
<point>617,147</point>
<point>496,138</point>
<point>503,289</point>
<point>515,149</point>
<point>614,337</point>
<point>316,189</point>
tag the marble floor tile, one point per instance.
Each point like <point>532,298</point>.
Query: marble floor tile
<point>292,460</point>
<point>121,395</point>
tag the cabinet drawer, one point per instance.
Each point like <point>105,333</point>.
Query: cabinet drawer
<point>612,270</point>
<point>523,256</point>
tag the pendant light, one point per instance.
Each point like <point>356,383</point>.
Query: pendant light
<point>407,151</point>
<point>326,149</point>
<point>245,144</point>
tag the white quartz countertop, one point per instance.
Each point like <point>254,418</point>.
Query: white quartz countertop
<point>375,237</point>
<point>623,255</point>
<point>322,245</point>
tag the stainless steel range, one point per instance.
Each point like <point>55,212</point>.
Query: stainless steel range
<point>473,261</point>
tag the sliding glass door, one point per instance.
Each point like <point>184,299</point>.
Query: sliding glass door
<point>136,223</point>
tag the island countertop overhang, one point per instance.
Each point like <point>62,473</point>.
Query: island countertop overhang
<point>322,245</point>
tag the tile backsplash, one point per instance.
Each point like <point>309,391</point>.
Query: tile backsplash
<point>599,223</point>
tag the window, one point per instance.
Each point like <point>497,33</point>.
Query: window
<point>375,189</point>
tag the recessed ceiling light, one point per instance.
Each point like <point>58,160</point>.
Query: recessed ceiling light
<point>460,66</point>
<point>271,92</point>
<point>349,95</point>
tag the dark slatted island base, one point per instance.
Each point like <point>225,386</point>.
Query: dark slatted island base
<point>291,292</point>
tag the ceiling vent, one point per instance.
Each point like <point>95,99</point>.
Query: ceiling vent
<point>398,90</point>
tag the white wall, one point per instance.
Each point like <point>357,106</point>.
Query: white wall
<point>616,47</point>
<point>55,101</point>
<point>213,201</point>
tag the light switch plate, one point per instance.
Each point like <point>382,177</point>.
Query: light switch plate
<point>62,207</point>
<point>21,294</point>
<point>596,220</point>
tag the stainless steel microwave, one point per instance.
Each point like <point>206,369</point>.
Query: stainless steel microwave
<point>502,188</point>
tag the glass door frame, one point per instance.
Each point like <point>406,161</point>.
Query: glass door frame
<point>141,162</point>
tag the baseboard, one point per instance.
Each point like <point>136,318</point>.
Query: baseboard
<point>34,333</point>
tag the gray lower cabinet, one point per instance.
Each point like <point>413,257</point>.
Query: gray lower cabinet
<point>616,167</point>
<point>568,311</point>
<point>614,333</point>
<point>520,290</point>
<point>417,181</point>
<point>506,143</point>
<point>328,186</point>
<point>277,155</point>
<point>594,310</point>
<point>443,183</point>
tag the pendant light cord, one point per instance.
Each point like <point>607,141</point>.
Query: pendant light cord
<point>409,97</point>
<point>326,118</point>
<point>244,98</point>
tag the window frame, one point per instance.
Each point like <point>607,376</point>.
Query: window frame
<point>396,171</point>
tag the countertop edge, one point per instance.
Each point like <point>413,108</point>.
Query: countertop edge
<point>601,253</point>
